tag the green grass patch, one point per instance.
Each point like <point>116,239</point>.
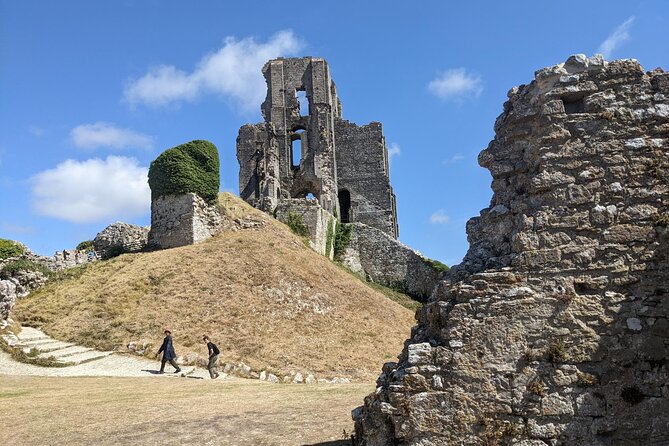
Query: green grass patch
<point>86,245</point>
<point>9,248</point>
<point>13,267</point>
<point>296,224</point>
<point>437,265</point>
<point>330,237</point>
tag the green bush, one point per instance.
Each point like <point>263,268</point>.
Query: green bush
<point>296,224</point>
<point>330,238</point>
<point>85,246</point>
<point>11,268</point>
<point>9,248</point>
<point>342,239</point>
<point>191,167</point>
<point>437,265</point>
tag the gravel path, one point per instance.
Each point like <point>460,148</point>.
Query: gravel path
<point>99,364</point>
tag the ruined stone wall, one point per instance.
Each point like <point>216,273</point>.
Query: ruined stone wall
<point>179,220</point>
<point>363,171</point>
<point>321,223</point>
<point>382,259</point>
<point>553,330</point>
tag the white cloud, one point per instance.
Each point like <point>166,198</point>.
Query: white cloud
<point>106,134</point>
<point>456,84</point>
<point>618,36</point>
<point>454,159</point>
<point>393,150</point>
<point>439,217</point>
<point>93,190</point>
<point>234,72</point>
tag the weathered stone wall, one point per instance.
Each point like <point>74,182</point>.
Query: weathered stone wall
<point>363,173</point>
<point>383,259</point>
<point>179,220</point>
<point>321,223</point>
<point>119,238</point>
<point>336,156</point>
<point>553,330</point>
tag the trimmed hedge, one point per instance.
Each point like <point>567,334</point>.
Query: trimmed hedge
<point>9,248</point>
<point>191,167</point>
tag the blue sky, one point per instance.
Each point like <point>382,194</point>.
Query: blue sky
<point>91,91</point>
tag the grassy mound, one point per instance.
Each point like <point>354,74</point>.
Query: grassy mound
<point>259,293</point>
<point>191,167</point>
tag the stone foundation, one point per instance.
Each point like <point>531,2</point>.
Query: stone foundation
<point>180,220</point>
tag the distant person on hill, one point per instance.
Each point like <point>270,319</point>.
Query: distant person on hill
<point>167,349</point>
<point>213,357</point>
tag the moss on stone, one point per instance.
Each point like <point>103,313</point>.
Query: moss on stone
<point>191,167</point>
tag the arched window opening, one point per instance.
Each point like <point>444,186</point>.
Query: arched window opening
<point>310,196</point>
<point>345,205</point>
<point>296,149</point>
<point>302,102</point>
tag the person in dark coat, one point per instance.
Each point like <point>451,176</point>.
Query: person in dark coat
<point>213,356</point>
<point>167,349</point>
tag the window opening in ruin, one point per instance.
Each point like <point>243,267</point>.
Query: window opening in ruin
<point>310,196</point>
<point>302,102</point>
<point>573,105</point>
<point>345,205</point>
<point>296,148</point>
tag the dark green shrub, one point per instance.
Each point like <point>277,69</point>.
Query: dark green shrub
<point>12,268</point>
<point>191,167</point>
<point>85,246</point>
<point>9,248</point>
<point>342,239</point>
<point>296,224</point>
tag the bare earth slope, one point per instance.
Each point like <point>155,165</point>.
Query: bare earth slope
<point>259,293</point>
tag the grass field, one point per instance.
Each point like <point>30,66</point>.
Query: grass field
<point>174,411</point>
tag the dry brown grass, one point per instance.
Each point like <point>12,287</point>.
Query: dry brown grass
<point>260,294</point>
<point>177,411</point>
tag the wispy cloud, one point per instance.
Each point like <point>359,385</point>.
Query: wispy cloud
<point>93,190</point>
<point>618,36</point>
<point>393,150</point>
<point>36,131</point>
<point>233,71</point>
<point>456,84</point>
<point>452,160</point>
<point>439,217</point>
<point>12,228</point>
<point>106,134</point>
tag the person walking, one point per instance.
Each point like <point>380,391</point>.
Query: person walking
<point>213,356</point>
<point>167,349</point>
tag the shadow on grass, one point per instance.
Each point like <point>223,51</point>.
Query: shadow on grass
<point>332,443</point>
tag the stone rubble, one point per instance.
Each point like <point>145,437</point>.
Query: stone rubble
<point>553,330</point>
<point>120,238</point>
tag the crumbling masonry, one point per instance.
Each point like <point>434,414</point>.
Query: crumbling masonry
<point>554,329</point>
<point>306,161</point>
<point>307,149</point>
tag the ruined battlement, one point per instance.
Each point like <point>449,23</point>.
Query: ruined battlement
<point>305,148</point>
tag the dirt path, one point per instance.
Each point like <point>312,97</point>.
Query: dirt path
<point>128,411</point>
<point>86,361</point>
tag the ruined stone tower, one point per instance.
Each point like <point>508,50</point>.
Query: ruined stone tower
<point>554,329</point>
<point>304,148</point>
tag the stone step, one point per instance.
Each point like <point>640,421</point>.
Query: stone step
<point>87,356</point>
<point>29,333</point>
<point>44,346</point>
<point>65,352</point>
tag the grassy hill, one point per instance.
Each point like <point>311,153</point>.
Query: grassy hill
<point>259,293</point>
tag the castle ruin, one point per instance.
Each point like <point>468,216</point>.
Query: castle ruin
<point>305,149</point>
<point>554,328</point>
